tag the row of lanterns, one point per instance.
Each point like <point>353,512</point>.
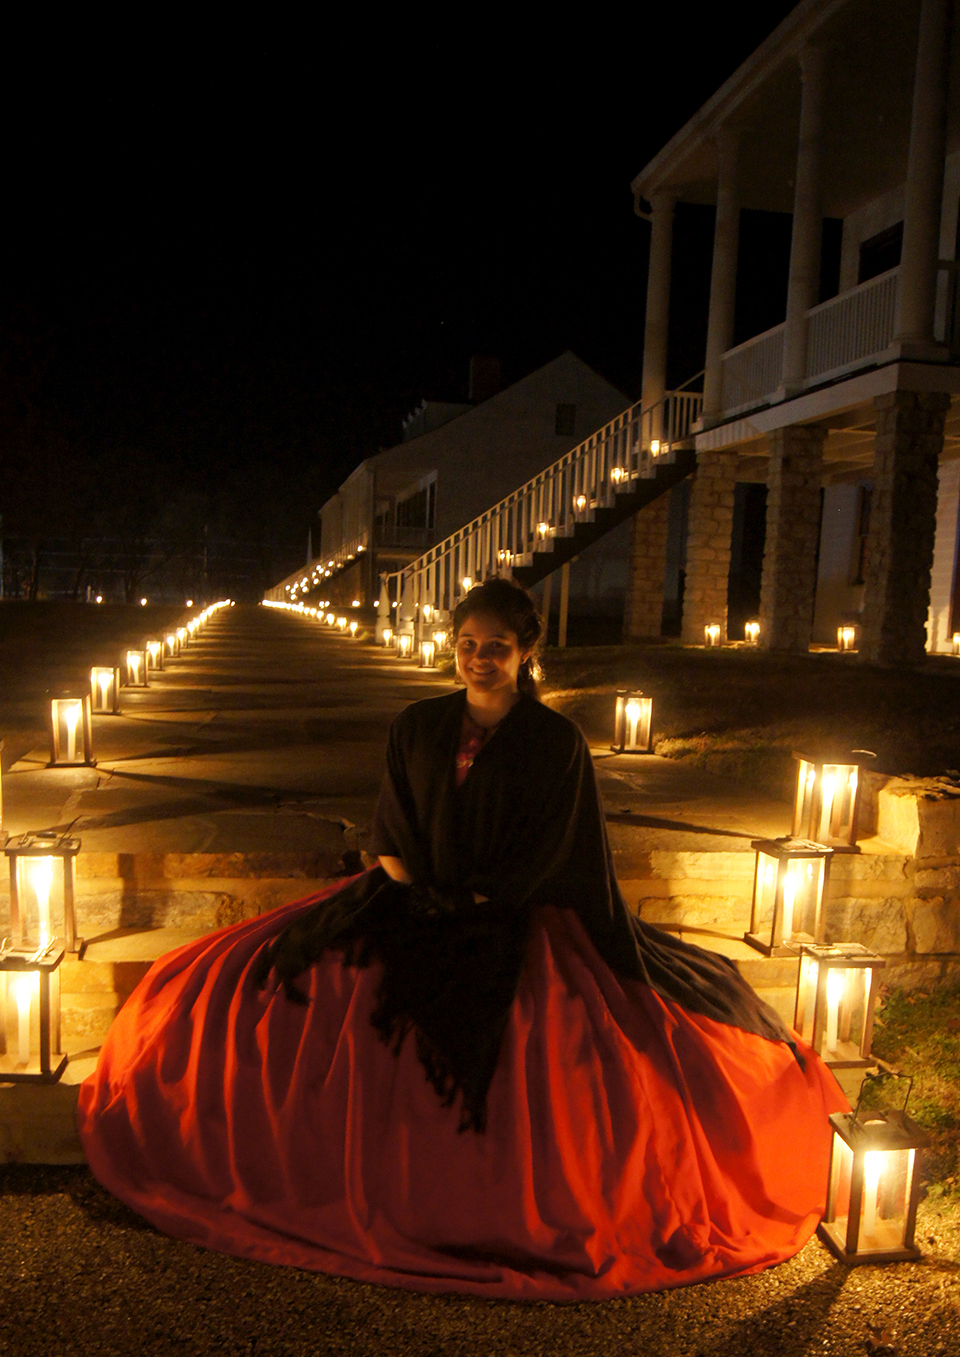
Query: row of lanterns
<point>846,636</point>
<point>403,643</point>
<point>873,1186</point>
<point>42,865</point>
<point>71,728</point>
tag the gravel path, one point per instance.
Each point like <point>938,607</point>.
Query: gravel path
<point>81,1274</point>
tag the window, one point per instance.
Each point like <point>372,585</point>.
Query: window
<point>880,253</point>
<point>417,511</point>
<point>566,420</point>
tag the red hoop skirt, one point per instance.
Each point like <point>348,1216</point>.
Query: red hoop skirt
<point>631,1146</point>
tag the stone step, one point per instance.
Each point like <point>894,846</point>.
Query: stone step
<point>37,1122</point>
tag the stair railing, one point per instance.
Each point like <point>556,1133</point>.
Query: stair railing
<point>549,506</point>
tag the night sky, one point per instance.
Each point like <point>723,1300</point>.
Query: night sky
<point>234,266</point>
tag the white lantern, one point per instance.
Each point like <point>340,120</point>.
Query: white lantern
<point>631,723</point>
<point>790,877</point>
<point>134,669</point>
<point>836,996</point>
<point>827,803</point>
<point>43,890</point>
<point>751,633</point>
<point>71,732</point>
<point>711,634</point>
<point>428,655</point>
<point>105,690</point>
<point>30,997</point>
<point>405,645</point>
<point>874,1184</point>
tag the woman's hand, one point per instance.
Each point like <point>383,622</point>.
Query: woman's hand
<point>395,869</point>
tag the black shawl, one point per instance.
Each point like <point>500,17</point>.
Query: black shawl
<point>525,829</point>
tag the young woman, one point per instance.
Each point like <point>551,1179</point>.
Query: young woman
<point>470,1069</point>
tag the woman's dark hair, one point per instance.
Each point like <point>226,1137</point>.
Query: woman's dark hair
<point>513,606</point>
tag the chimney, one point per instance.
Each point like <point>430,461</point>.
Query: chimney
<point>486,378</point>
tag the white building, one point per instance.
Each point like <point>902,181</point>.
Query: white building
<point>455,460</point>
<point>848,409</point>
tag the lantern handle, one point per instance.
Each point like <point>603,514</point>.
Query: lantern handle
<point>881,1076</point>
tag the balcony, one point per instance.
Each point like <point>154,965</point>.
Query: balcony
<point>843,334</point>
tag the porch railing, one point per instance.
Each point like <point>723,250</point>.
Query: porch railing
<point>841,333</point>
<point>853,326</point>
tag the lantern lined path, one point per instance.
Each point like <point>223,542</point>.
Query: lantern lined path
<point>244,777</point>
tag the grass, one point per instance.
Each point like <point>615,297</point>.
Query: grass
<point>918,1033</point>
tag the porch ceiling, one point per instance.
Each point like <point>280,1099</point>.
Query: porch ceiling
<point>871,53</point>
<point>848,450</point>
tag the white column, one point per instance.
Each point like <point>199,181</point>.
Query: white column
<point>723,275</point>
<point>658,300</point>
<point>803,287</point>
<point>924,194</point>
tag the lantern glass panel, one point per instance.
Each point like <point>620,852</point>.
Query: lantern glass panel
<point>105,689</point>
<point>405,645</point>
<point>764,895</point>
<point>711,633</point>
<point>428,654</point>
<point>838,797</point>
<point>40,893</point>
<point>71,731</point>
<point>440,639</point>
<point>154,654</point>
<point>135,668</point>
<point>885,1179</point>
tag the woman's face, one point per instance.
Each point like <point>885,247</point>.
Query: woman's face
<point>488,655</point>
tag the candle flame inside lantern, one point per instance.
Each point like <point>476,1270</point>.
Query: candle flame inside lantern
<point>440,637</point>
<point>581,501</point>
<point>752,632</point>
<point>104,679</point>
<point>133,665</point>
<point>872,1167</point>
<point>353,627</point>
<point>71,717</point>
<point>835,988</point>
<point>23,988</point>
<point>40,874</point>
<point>789,897</point>
<point>467,584</point>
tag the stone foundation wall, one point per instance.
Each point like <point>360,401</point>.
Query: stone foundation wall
<point>709,533</point>
<point>643,612</point>
<point>789,584</point>
<point>903,516</point>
